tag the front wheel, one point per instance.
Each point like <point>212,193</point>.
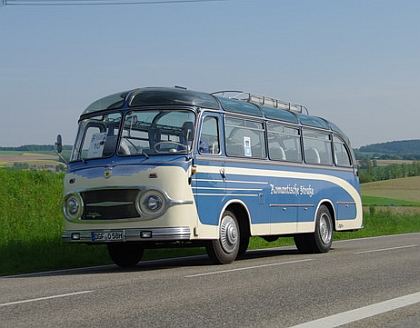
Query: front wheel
<point>125,255</point>
<point>225,249</point>
<point>321,240</point>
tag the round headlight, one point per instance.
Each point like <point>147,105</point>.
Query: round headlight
<point>151,203</point>
<point>73,207</point>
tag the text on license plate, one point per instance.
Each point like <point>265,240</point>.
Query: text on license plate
<point>108,236</point>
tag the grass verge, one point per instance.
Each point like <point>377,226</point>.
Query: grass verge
<point>382,201</point>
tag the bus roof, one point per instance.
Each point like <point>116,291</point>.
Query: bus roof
<point>255,105</point>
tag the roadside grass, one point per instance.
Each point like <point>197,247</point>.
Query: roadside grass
<point>31,224</point>
<point>382,201</point>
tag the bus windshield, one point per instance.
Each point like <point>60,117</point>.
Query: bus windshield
<point>145,132</point>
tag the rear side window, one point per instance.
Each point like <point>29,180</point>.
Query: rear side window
<point>341,154</point>
<point>317,147</point>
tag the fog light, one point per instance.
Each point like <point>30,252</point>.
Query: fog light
<point>145,234</point>
<point>75,236</point>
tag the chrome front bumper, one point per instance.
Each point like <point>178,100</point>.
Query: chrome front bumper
<point>129,235</point>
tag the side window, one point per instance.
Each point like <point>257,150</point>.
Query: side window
<point>244,138</point>
<point>283,143</point>
<point>209,138</point>
<point>97,137</point>
<point>317,147</point>
<point>341,154</point>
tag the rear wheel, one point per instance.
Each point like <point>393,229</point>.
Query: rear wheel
<point>125,255</point>
<point>225,249</point>
<point>243,246</point>
<point>320,241</point>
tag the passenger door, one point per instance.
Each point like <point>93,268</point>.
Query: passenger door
<point>208,179</point>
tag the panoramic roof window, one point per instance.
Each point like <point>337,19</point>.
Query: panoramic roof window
<point>279,114</point>
<point>168,96</point>
<point>313,121</point>
<point>239,106</point>
<point>113,101</point>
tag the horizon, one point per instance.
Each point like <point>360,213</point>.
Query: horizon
<point>70,145</point>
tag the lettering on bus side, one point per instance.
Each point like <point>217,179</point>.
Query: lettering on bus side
<point>294,189</point>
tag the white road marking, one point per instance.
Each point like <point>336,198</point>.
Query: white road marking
<point>362,313</point>
<point>386,249</point>
<point>46,298</point>
<point>246,268</point>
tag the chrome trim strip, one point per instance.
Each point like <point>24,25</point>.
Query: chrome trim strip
<point>106,204</point>
<point>157,234</point>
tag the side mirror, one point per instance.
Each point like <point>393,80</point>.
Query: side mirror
<point>59,148</point>
<point>59,144</point>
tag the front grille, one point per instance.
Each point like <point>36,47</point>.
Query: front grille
<point>109,204</point>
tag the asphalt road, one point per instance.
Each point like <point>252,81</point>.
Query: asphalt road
<point>268,288</point>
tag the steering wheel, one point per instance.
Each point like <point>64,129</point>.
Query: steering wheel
<point>158,144</point>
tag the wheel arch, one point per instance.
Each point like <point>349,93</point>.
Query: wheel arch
<point>242,214</point>
<point>330,206</point>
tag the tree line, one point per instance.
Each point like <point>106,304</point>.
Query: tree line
<point>34,148</point>
<point>369,171</point>
<point>405,149</point>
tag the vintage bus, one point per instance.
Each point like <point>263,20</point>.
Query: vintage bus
<point>170,167</point>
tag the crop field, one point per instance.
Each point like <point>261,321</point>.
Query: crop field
<point>386,162</point>
<point>29,160</point>
<point>407,189</point>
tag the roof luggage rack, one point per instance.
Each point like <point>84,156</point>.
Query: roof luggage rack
<point>262,100</point>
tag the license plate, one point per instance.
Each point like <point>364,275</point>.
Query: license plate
<point>107,236</point>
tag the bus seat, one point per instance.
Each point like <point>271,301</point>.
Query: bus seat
<point>154,137</point>
<point>293,155</point>
<point>109,146</point>
<point>312,156</point>
<point>188,131</point>
<point>325,158</point>
<point>233,148</point>
<point>124,149</point>
<point>277,151</point>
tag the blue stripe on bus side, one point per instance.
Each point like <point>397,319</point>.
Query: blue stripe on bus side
<point>275,195</point>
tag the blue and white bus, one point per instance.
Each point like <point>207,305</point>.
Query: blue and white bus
<point>168,167</point>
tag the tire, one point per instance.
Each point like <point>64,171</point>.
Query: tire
<point>225,249</point>
<point>321,240</point>
<point>324,229</point>
<point>125,255</point>
<point>303,243</point>
<point>243,246</point>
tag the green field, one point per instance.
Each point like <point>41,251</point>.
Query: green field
<point>406,189</point>
<point>31,222</point>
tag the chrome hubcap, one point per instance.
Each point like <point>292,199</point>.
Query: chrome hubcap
<point>325,230</point>
<point>228,234</point>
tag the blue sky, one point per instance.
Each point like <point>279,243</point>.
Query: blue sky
<point>356,63</point>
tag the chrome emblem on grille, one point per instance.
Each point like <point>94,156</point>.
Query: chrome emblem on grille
<point>93,215</point>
